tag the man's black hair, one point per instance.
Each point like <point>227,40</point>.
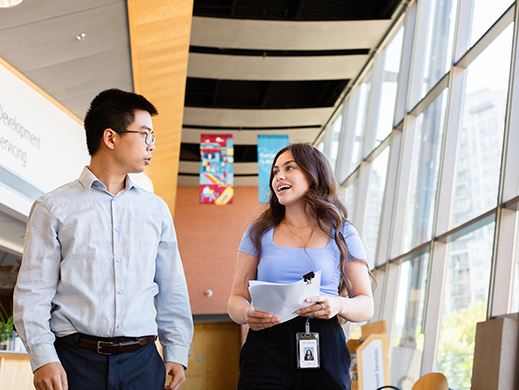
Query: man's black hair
<point>112,109</point>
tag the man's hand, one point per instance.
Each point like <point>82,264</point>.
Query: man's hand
<point>51,376</point>
<point>177,373</point>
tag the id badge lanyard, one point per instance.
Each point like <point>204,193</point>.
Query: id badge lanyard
<point>307,342</point>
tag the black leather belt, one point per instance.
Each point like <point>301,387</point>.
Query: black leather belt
<point>107,346</point>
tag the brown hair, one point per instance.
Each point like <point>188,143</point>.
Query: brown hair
<point>321,202</point>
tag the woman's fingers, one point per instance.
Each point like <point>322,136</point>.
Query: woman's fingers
<point>259,314</point>
<point>258,320</point>
<point>253,320</point>
<point>320,308</point>
<point>262,325</point>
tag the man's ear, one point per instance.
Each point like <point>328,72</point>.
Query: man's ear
<point>108,139</point>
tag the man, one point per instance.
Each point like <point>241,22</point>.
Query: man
<point>101,273</point>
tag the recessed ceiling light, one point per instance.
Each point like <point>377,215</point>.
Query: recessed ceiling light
<point>9,3</point>
<point>81,36</point>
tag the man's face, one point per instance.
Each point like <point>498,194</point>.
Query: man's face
<point>132,152</point>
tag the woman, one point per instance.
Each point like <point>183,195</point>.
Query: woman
<point>309,355</point>
<point>303,229</point>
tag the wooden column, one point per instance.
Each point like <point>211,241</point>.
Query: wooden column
<point>159,35</point>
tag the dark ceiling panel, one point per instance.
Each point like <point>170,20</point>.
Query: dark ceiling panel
<point>249,128</point>
<point>296,9</point>
<point>242,153</point>
<point>211,93</point>
<point>276,53</point>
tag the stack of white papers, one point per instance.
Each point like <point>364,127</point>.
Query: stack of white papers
<point>282,300</point>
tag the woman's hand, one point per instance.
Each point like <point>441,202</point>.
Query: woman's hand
<point>258,320</point>
<point>322,307</point>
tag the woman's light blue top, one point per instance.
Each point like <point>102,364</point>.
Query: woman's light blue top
<point>287,265</point>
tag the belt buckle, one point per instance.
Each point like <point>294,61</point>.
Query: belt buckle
<point>100,344</point>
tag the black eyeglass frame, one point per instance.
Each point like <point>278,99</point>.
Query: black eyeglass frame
<point>147,141</point>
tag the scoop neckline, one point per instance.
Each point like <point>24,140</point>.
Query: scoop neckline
<point>294,247</point>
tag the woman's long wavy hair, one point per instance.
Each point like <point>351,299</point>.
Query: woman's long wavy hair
<point>320,203</point>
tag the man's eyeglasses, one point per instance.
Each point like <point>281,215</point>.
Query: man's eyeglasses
<point>149,136</point>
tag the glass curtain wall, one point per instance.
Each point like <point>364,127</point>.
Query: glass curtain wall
<point>480,142</point>
<point>388,92</point>
<point>433,45</point>
<point>515,289</point>
<point>425,162</point>
<point>482,14</point>
<point>375,196</point>
<point>408,332</point>
<point>427,189</point>
<point>349,197</point>
<point>464,303</point>
<point>361,117</point>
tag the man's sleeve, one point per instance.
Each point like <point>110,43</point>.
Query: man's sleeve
<point>174,319</point>
<point>36,286</point>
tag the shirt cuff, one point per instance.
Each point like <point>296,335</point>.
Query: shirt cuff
<point>176,354</point>
<point>41,355</point>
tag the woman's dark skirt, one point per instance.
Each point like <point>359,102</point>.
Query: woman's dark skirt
<point>268,358</point>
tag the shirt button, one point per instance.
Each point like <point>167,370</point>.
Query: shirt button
<point>116,229</point>
<point>117,260</point>
<point>120,292</point>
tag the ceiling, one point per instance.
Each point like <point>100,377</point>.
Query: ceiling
<point>39,39</point>
<point>255,67</point>
<point>278,66</point>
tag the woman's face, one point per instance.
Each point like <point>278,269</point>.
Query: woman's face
<point>289,180</point>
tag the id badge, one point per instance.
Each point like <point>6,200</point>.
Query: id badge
<point>307,348</point>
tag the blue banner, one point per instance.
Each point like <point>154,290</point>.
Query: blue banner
<point>268,146</point>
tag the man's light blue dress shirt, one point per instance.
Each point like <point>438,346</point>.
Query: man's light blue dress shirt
<point>101,265</point>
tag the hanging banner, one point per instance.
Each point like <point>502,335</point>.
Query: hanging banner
<point>216,169</point>
<point>268,146</point>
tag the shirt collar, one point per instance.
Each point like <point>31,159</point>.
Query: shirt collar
<point>89,180</point>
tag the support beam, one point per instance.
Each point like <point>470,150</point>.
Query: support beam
<point>159,38</point>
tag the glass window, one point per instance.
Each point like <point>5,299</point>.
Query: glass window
<point>378,291</point>
<point>424,173</point>
<point>464,303</point>
<point>389,86</point>
<point>348,196</point>
<point>334,140</point>
<point>375,196</point>
<point>364,92</point>
<point>408,335</point>
<point>484,14</point>
<point>514,308</point>
<point>327,141</point>
<point>433,44</point>
<point>478,156</point>
<point>345,144</point>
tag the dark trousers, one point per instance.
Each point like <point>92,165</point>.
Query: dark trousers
<point>142,369</point>
<point>268,358</point>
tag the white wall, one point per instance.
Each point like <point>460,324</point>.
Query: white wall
<point>41,146</point>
